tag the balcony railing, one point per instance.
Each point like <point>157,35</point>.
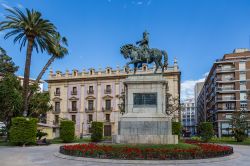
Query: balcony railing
<point>91,109</point>
<point>72,110</point>
<point>224,79</point>
<point>226,98</point>
<point>104,109</point>
<point>225,69</point>
<point>57,93</point>
<point>73,92</point>
<point>224,88</point>
<point>226,108</point>
<point>90,91</point>
<point>107,91</point>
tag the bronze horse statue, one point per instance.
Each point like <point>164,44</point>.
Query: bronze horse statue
<point>138,57</point>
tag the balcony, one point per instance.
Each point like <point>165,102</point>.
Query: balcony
<point>57,93</point>
<point>72,110</point>
<point>226,109</point>
<point>225,79</point>
<point>218,70</point>
<point>56,111</point>
<point>90,92</point>
<point>224,89</point>
<point>107,91</point>
<point>107,109</point>
<point>73,92</point>
<point>225,98</point>
<point>91,109</point>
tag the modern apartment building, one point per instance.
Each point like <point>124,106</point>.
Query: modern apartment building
<point>225,90</point>
<point>95,96</point>
<point>188,116</point>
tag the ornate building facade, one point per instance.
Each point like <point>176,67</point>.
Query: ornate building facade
<point>93,95</point>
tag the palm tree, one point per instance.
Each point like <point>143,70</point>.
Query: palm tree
<point>32,29</point>
<point>58,51</point>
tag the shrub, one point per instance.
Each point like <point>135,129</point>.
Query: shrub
<point>23,131</point>
<point>67,131</point>
<point>97,131</point>
<point>140,152</point>
<point>176,128</point>
<point>206,131</point>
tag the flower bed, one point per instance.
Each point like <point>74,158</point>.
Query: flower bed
<point>199,151</point>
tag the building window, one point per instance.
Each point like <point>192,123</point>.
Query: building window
<point>108,104</point>
<point>107,116</point>
<point>57,106</point>
<point>91,90</point>
<point>73,118</point>
<point>242,65</point>
<point>243,95</point>
<point>242,75</point>
<point>108,89</point>
<point>56,119</point>
<point>74,90</point>
<point>74,105</point>
<point>90,104</point>
<point>90,118</point>
<point>228,116</point>
<point>57,91</point>
<point>242,85</point>
<point>243,106</point>
<point>229,106</point>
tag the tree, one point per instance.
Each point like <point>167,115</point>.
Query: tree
<point>206,131</point>
<point>10,98</point>
<point>239,125</point>
<point>32,29</point>
<point>58,50</point>
<point>172,106</point>
<point>7,66</point>
<point>39,105</point>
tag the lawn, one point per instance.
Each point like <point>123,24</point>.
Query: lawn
<point>77,140</point>
<point>230,140</point>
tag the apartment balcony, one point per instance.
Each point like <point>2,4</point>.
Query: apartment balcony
<point>89,110</point>
<point>222,99</point>
<point>72,110</point>
<point>225,79</point>
<point>224,89</point>
<point>107,91</point>
<point>57,93</point>
<point>73,92</point>
<point>225,70</point>
<point>226,109</point>
<point>106,109</point>
<point>56,111</point>
<point>90,92</point>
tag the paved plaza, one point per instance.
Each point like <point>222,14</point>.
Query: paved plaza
<point>45,156</point>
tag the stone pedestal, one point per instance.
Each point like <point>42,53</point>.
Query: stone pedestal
<point>145,121</point>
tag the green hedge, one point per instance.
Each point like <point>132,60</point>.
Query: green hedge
<point>176,128</point>
<point>23,131</point>
<point>67,131</point>
<point>206,131</point>
<point>97,131</point>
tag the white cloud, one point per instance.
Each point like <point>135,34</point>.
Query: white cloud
<point>187,87</point>
<point>6,6</point>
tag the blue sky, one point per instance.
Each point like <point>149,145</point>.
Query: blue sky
<point>196,32</point>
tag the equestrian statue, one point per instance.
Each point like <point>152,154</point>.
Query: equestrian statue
<point>144,54</point>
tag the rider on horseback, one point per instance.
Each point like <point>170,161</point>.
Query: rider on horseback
<point>144,46</point>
